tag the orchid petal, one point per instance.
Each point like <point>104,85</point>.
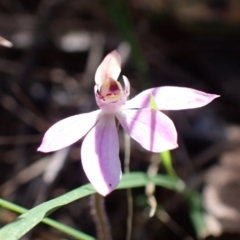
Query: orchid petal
<point>171,98</point>
<point>126,85</point>
<point>152,129</point>
<point>109,68</point>
<point>100,155</point>
<point>68,131</point>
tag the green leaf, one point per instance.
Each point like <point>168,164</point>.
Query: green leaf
<point>139,179</point>
<point>196,213</point>
<point>31,218</point>
<point>25,222</point>
<point>61,227</point>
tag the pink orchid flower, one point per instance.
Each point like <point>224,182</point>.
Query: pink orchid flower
<point>100,148</point>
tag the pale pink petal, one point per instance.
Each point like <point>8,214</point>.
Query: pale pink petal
<point>109,68</point>
<point>100,155</point>
<point>68,131</point>
<point>152,129</point>
<point>171,98</point>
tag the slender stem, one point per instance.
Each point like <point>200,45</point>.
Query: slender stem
<point>167,163</point>
<point>100,217</point>
<point>61,227</point>
<point>127,146</point>
<point>150,187</point>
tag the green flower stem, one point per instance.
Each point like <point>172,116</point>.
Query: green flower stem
<point>127,143</point>
<point>100,217</point>
<point>167,162</point>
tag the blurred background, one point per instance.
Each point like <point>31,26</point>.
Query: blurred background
<point>48,75</point>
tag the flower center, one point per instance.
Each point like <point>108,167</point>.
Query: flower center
<point>111,90</point>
